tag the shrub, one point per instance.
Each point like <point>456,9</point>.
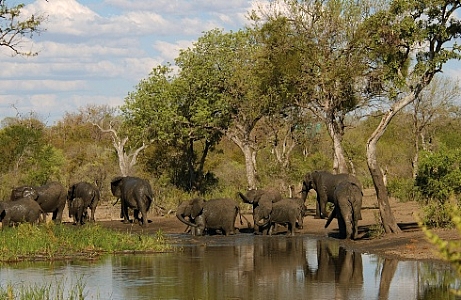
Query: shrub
<point>438,181</point>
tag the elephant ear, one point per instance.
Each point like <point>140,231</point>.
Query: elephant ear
<point>197,206</point>
<point>115,187</point>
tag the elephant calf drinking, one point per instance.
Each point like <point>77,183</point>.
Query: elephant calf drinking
<point>285,212</point>
<point>215,214</point>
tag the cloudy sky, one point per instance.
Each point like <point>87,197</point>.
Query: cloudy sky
<point>95,52</point>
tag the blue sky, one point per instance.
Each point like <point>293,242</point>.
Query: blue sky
<point>96,52</point>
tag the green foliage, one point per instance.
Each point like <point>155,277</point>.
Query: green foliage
<point>448,250</point>
<point>58,290</point>
<point>403,189</point>
<point>439,174</point>
<point>15,27</point>
<point>49,241</point>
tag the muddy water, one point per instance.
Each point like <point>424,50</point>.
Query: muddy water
<point>243,267</point>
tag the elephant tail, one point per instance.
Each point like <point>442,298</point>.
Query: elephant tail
<point>331,217</point>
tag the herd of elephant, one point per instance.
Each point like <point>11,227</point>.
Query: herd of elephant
<point>31,204</point>
<point>270,208</point>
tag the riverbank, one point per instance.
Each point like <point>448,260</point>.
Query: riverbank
<point>411,244</point>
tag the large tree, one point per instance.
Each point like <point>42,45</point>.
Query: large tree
<point>169,110</point>
<point>326,66</point>
<point>229,70</point>
<point>408,43</point>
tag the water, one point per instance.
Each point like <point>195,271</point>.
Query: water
<point>243,267</point>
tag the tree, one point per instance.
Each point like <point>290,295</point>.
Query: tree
<point>326,68</point>
<point>126,160</point>
<point>437,100</point>
<point>177,113</point>
<point>14,28</point>
<point>88,152</point>
<point>409,42</point>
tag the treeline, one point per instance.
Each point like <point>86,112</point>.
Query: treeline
<point>348,86</point>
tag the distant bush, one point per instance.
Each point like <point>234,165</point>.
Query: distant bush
<point>439,183</point>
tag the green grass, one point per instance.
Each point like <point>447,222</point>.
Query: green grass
<point>46,291</point>
<point>52,242</point>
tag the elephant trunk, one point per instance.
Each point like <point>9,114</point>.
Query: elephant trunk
<point>245,198</point>
<point>181,218</point>
<point>304,192</point>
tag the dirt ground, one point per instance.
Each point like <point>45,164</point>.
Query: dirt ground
<point>411,244</point>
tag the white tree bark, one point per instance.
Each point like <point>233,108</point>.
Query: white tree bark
<point>126,161</point>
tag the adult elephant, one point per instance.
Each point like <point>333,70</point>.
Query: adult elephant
<point>285,212</point>
<point>348,206</point>
<point>324,184</point>
<point>51,198</point>
<point>20,210</point>
<point>135,193</point>
<point>215,214</point>
<point>262,201</point>
<point>88,194</point>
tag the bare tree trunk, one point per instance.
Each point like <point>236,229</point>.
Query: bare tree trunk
<point>387,273</point>
<point>387,217</point>
<point>249,151</point>
<point>126,161</point>
<point>339,162</point>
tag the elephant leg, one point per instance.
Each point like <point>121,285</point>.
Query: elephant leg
<point>291,228</point>
<point>124,213</point>
<point>93,212</point>
<point>341,225</point>
<point>317,209</point>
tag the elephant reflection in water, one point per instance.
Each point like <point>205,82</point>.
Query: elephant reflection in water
<point>338,265</point>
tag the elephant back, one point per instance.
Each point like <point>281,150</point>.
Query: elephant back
<point>51,196</point>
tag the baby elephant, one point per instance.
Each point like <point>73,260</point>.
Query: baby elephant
<point>20,211</point>
<point>77,210</point>
<point>285,212</point>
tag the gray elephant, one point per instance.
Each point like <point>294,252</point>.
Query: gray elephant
<point>348,204</point>
<point>19,211</point>
<point>77,211</point>
<point>285,212</point>
<point>51,198</point>
<point>135,193</point>
<point>87,193</point>
<point>262,198</point>
<point>212,215</point>
<point>324,184</point>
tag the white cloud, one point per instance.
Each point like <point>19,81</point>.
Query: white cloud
<point>97,53</point>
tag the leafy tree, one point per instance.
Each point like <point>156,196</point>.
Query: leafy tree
<point>14,28</point>
<point>170,111</point>
<point>326,67</point>
<point>409,43</point>
<point>229,70</point>
<point>436,101</point>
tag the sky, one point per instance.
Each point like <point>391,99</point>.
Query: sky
<point>96,52</point>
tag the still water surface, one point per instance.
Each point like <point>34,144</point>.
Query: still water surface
<point>243,267</point>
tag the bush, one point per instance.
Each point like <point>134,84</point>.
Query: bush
<point>438,181</point>
<point>403,189</point>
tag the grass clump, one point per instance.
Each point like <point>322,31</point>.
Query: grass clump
<point>50,241</point>
<point>55,291</point>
